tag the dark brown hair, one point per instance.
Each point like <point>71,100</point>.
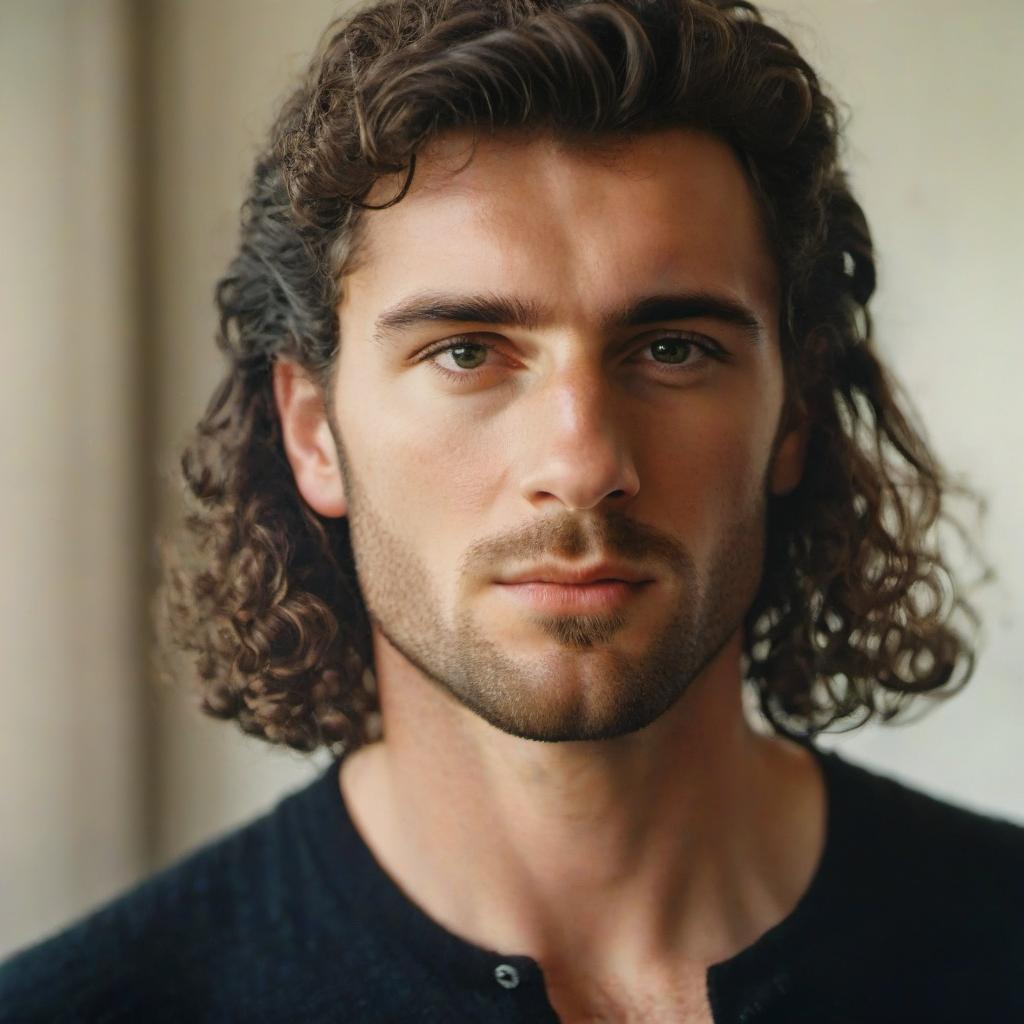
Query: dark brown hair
<point>857,608</point>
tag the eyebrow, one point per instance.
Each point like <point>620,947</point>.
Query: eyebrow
<point>508,310</point>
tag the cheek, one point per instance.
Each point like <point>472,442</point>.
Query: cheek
<point>706,475</point>
<point>426,470</point>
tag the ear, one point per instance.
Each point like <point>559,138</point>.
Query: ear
<point>787,468</point>
<point>308,442</point>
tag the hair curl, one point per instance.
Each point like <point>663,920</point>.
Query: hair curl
<point>856,609</point>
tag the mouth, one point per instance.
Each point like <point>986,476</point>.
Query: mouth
<point>597,595</point>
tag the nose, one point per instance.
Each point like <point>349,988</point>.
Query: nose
<point>581,455</point>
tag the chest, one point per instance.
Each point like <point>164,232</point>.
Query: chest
<point>681,1000</point>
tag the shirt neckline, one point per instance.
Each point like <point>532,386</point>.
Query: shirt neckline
<point>350,869</point>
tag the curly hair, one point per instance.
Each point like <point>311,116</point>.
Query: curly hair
<point>857,610</point>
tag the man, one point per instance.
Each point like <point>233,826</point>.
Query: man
<point>544,430</point>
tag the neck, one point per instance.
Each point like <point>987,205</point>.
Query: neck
<point>679,843</point>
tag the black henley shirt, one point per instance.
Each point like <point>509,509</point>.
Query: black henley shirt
<point>915,913</point>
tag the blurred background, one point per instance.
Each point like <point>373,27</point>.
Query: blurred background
<point>128,132</point>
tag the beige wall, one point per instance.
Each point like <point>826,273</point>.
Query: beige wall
<point>115,232</point>
<point>70,787</point>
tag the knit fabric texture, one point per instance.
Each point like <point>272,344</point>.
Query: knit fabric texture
<point>915,913</point>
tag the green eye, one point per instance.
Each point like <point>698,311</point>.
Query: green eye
<point>671,344</point>
<point>676,348</point>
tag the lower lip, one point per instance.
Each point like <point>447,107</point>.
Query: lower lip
<point>574,597</point>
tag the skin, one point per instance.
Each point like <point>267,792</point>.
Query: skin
<point>581,788</point>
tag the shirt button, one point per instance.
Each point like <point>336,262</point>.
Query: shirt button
<point>506,975</point>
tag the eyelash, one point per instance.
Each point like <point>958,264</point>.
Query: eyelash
<point>709,349</point>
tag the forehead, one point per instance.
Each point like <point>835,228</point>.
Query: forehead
<point>571,224</point>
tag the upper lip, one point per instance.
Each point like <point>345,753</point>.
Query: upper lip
<point>552,573</point>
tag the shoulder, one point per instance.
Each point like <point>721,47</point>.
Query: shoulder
<point>121,960</point>
<point>168,947</point>
<point>903,816</point>
<point>933,887</point>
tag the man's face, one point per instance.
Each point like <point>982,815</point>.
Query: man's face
<point>627,419</point>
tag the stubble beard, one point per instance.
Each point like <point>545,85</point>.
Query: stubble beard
<point>527,697</point>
